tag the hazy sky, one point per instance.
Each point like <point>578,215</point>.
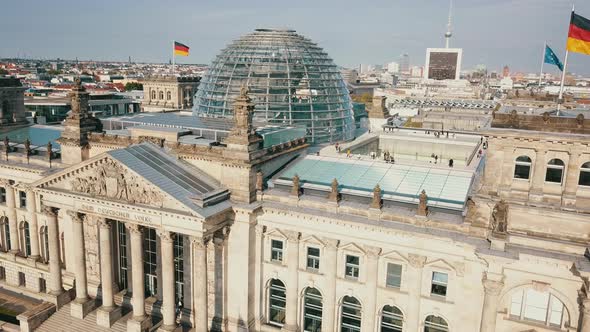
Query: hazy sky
<point>491,32</point>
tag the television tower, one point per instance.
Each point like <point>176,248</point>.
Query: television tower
<point>449,34</point>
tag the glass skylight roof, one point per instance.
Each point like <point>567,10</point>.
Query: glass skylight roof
<point>291,81</point>
<point>445,187</point>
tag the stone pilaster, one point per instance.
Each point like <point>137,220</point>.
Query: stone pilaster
<point>108,313</point>
<point>200,296</point>
<point>507,170</point>
<point>572,175</point>
<point>492,289</point>
<point>330,270</point>
<point>415,291</point>
<point>258,282</point>
<point>538,177</point>
<point>33,224</point>
<point>81,305</point>
<point>167,254</point>
<point>371,287</point>
<point>11,214</point>
<point>139,322</point>
<point>292,281</point>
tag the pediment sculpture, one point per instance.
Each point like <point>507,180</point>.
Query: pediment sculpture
<point>111,180</point>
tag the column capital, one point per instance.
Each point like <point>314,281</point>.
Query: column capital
<point>75,216</point>
<point>104,223</point>
<point>5,183</point>
<point>259,229</point>
<point>417,261</point>
<point>292,236</point>
<point>492,287</point>
<point>26,187</point>
<point>372,251</point>
<point>199,242</point>
<point>133,228</point>
<point>331,243</point>
<point>165,236</point>
<point>49,211</point>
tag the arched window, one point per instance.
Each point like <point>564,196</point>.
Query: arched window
<point>392,319</point>
<point>153,94</point>
<point>554,171</point>
<point>4,234</point>
<point>161,95</point>
<point>62,245</point>
<point>312,310</point>
<point>538,306</point>
<point>44,244</point>
<point>25,238</point>
<point>522,170</point>
<point>350,316</point>
<point>435,324</point>
<point>168,95</point>
<point>276,302</point>
<point>585,175</point>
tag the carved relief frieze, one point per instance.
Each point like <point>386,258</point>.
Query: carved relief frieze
<point>111,180</point>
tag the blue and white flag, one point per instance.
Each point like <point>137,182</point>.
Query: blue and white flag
<point>551,58</point>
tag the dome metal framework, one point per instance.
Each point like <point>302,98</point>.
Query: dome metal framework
<point>291,80</point>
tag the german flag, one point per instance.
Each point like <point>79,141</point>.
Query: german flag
<point>578,38</point>
<point>180,49</point>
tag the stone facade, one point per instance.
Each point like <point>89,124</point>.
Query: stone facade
<point>167,93</point>
<point>258,261</point>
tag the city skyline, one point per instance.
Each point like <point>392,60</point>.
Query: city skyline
<point>376,34</point>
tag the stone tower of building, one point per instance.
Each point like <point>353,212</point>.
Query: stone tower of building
<point>78,124</point>
<point>12,106</point>
<point>168,93</point>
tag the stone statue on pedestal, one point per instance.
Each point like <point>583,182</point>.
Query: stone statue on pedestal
<point>422,205</point>
<point>500,218</point>
<point>334,195</point>
<point>376,203</point>
<point>296,190</point>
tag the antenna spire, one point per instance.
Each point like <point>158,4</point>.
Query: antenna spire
<point>449,34</point>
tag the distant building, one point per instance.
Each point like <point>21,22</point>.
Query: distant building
<point>393,67</point>
<point>404,63</point>
<point>11,102</point>
<point>349,75</point>
<point>417,71</point>
<point>167,93</point>
<point>506,71</point>
<point>443,63</point>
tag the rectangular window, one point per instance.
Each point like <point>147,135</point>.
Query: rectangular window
<point>352,266</point>
<point>439,284</point>
<point>122,241</point>
<point>276,251</point>
<point>179,269</point>
<point>313,258</point>
<point>22,199</point>
<point>394,275</point>
<point>2,195</point>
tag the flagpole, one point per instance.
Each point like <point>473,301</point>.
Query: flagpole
<point>542,63</point>
<point>560,98</point>
<point>173,57</point>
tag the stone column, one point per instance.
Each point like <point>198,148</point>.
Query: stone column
<point>258,276</point>
<point>167,254</point>
<point>108,313</point>
<point>11,214</point>
<point>81,306</point>
<point>55,283</point>
<point>415,292</point>
<point>329,268</point>
<point>371,288</point>
<point>200,291</point>
<point>292,281</point>
<point>139,322</point>
<point>33,224</point>
<point>585,326</point>
<point>492,290</point>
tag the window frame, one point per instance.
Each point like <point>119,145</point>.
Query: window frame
<point>585,168</point>
<point>313,259</point>
<point>278,288</point>
<point>435,327</point>
<point>519,163</point>
<point>353,267</point>
<point>280,252</point>
<point>22,199</point>
<point>435,283</point>
<point>552,167</point>
<point>352,306</point>
<point>387,274</point>
<point>551,298</point>
<point>391,315</point>
<point>307,299</point>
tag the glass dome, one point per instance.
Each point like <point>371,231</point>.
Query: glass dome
<point>291,80</point>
